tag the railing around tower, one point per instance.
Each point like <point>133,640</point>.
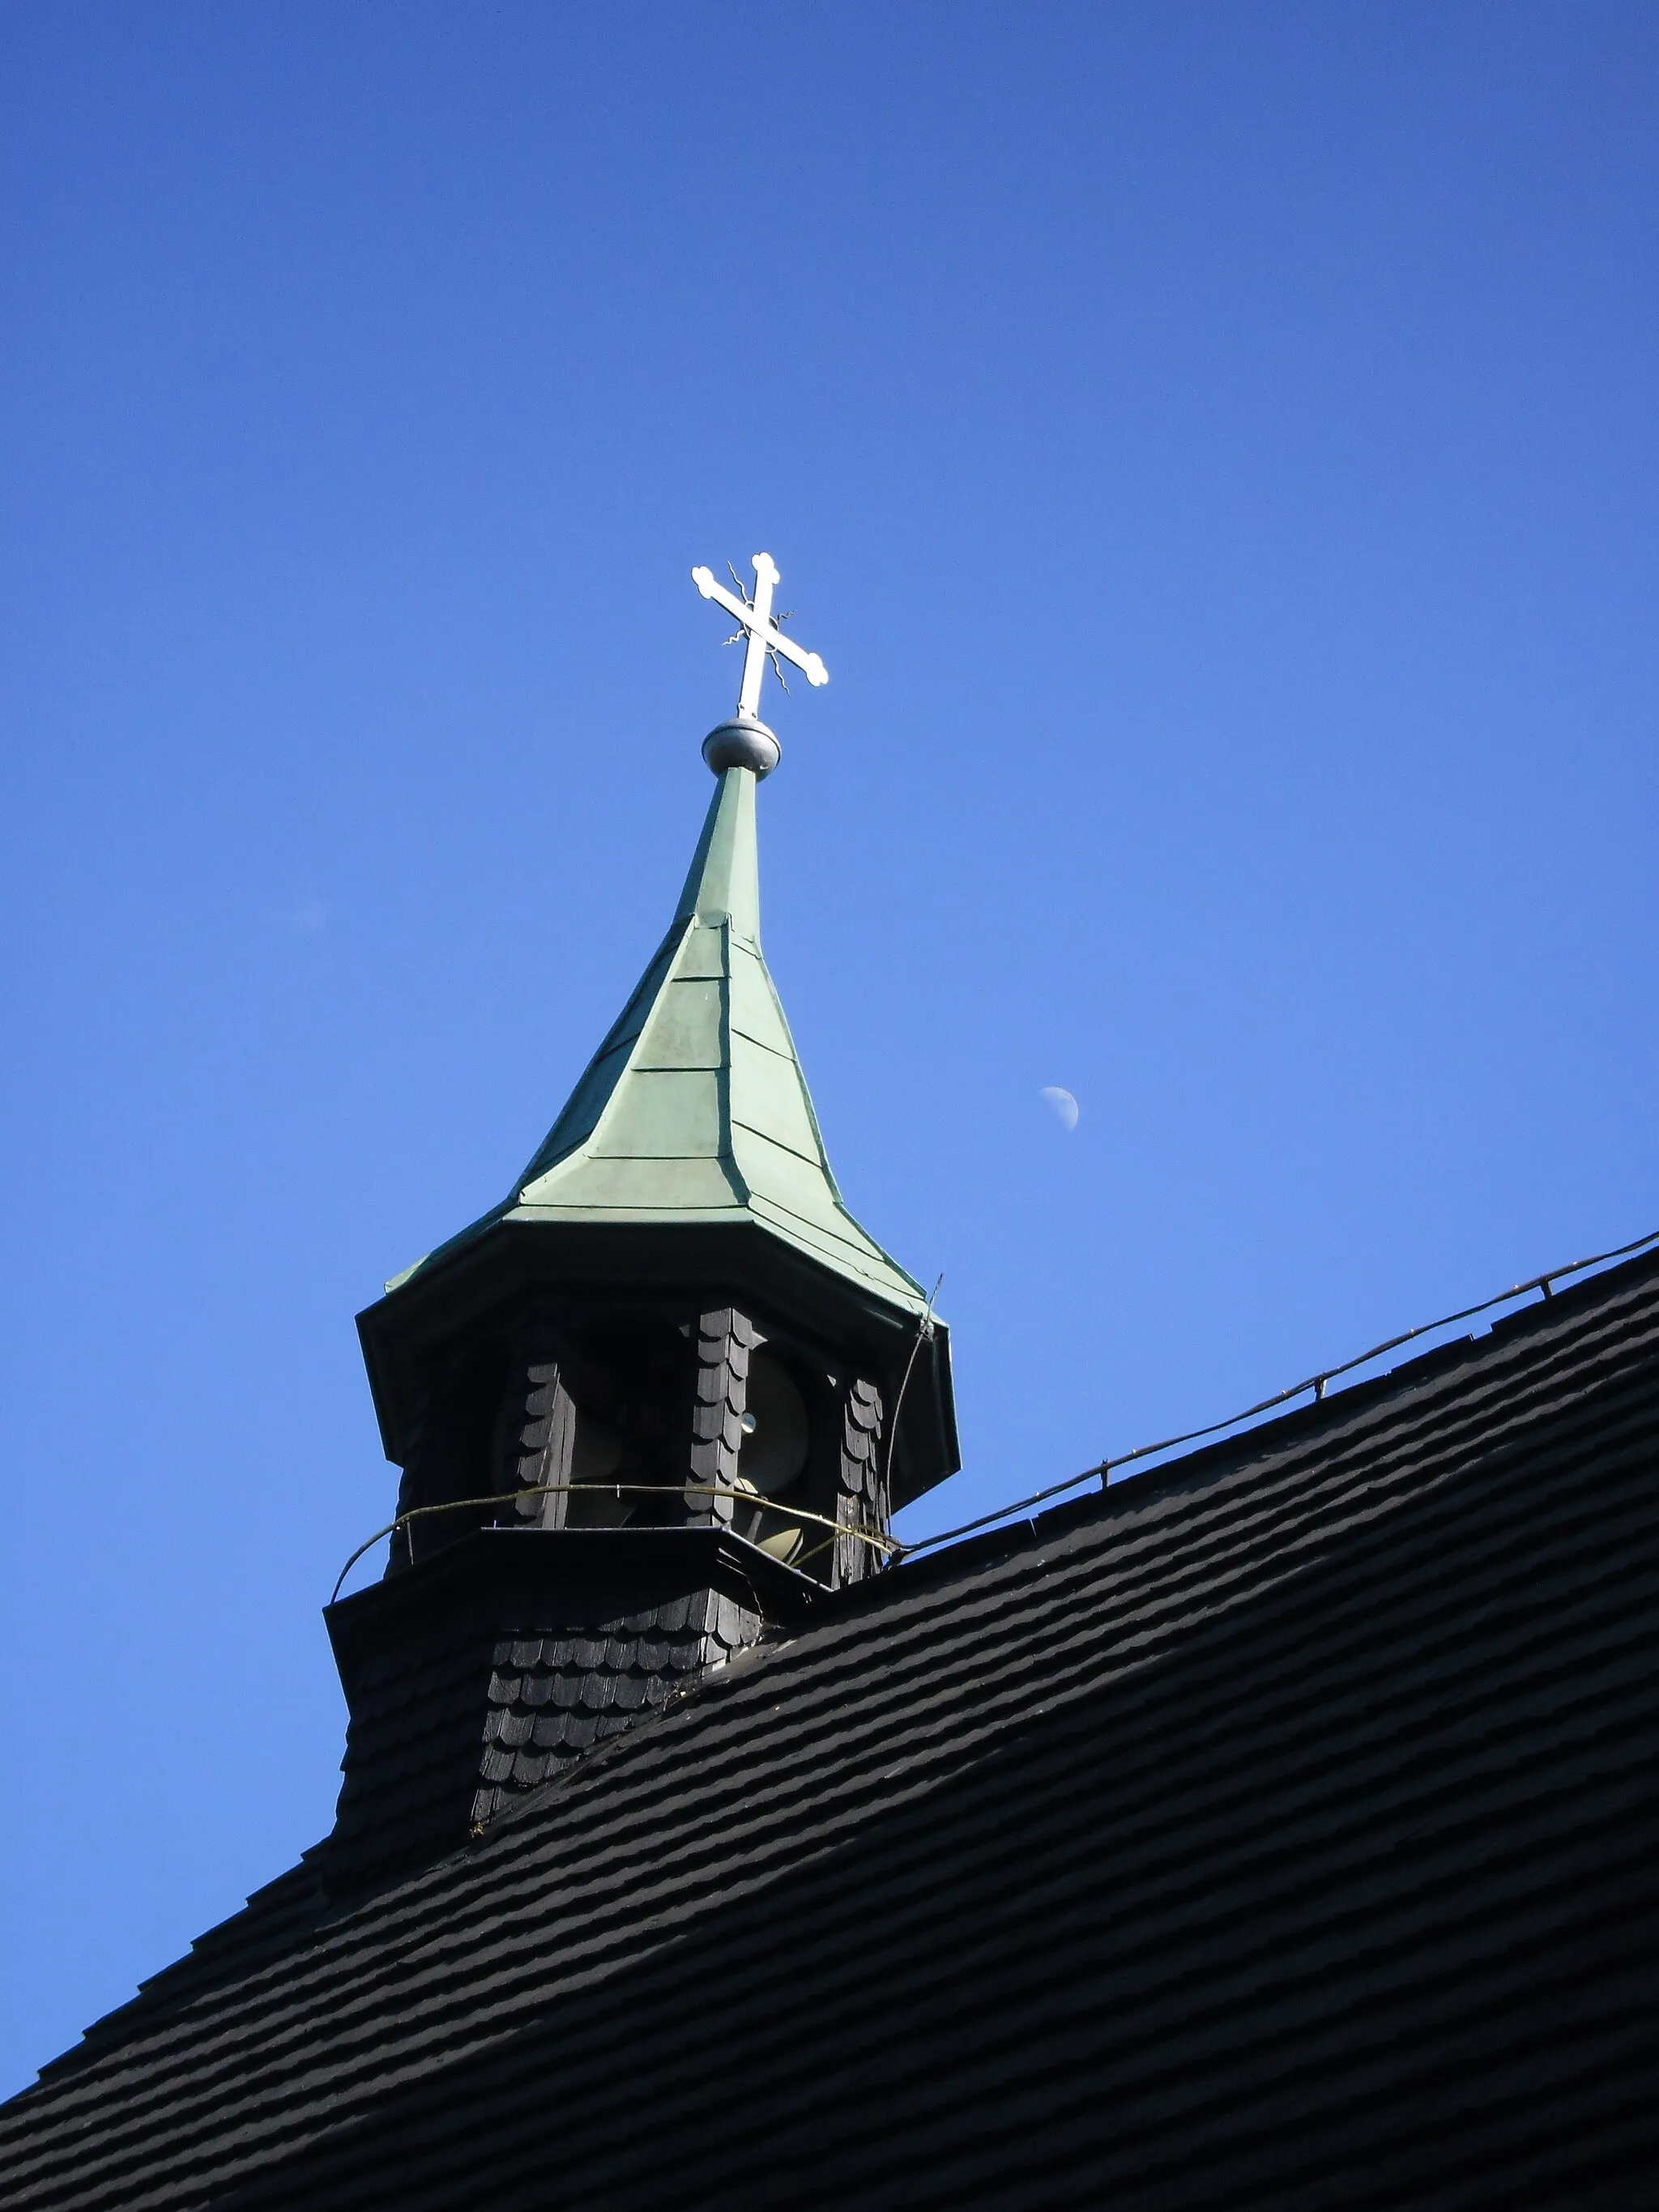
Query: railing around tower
<point>885,1547</point>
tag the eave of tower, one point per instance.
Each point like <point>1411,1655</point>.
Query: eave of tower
<point>694,1109</point>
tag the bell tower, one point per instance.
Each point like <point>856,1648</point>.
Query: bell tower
<point>665,1395</point>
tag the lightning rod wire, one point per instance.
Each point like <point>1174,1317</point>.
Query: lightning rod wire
<point>1103,1469</point>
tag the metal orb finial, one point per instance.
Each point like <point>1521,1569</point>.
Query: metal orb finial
<point>743,742</point>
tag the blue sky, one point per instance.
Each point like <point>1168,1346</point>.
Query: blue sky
<point>1213,448</point>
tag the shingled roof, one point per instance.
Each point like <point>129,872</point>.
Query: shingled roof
<point>1274,1829</point>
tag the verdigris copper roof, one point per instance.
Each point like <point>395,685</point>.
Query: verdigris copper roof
<point>694,1108</point>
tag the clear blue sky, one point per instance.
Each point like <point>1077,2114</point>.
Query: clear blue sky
<point>1214,449</point>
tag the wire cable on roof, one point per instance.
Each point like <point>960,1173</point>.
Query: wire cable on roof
<point>1103,1469</point>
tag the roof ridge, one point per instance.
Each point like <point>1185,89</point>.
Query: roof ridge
<point>1310,1420</point>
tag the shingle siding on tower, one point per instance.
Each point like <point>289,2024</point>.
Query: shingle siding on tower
<point>1278,1829</point>
<point>476,1703</point>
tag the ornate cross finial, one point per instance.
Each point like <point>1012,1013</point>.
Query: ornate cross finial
<point>763,640</point>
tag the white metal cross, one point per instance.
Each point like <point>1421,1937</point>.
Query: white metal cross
<point>763,638</point>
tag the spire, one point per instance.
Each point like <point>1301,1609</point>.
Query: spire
<point>694,1109</point>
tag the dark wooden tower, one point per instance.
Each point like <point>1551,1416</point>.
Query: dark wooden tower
<point>666,1394</point>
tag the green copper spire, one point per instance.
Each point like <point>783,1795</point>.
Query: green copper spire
<point>694,1108</point>
<point>695,1105</point>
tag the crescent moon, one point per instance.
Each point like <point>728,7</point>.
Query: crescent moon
<point>1065,1106</point>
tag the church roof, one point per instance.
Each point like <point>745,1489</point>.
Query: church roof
<point>694,1109</point>
<point>1274,1828</point>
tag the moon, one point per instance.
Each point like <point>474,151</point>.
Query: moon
<point>1064,1105</point>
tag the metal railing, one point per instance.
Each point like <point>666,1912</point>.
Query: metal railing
<point>752,1498</point>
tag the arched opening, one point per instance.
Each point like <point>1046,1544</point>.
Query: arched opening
<point>773,1461</point>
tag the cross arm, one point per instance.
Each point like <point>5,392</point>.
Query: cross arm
<point>767,630</point>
